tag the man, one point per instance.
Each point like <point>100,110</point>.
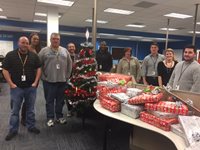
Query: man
<point>149,66</point>
<point>104,58</point>
<point>21,70</point>
<point>56,69</point>
<point>71,49</point>
<point>186,74</point>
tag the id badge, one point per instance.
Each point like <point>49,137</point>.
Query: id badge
<point>100,66</point>
<point>153,73</point>
<point>23,77</point>
<point>177,87</point>
<point>57,66</point>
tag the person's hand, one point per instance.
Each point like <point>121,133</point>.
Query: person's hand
<point>12,86</point>
<point>34,85</point>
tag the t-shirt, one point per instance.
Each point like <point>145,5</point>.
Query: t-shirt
<point>13,64</point>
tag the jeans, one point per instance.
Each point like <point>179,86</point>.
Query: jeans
<point>17,97</point>
<point>54,96</point>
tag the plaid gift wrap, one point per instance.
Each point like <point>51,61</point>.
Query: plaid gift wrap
<point>110,103</point>
<point>163,124</point>
<point>145,98</point>
<point>170,107</point>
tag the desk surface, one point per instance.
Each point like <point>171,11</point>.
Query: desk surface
<point>177,140</point>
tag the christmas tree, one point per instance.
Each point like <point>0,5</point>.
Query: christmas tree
<point>82,84</point>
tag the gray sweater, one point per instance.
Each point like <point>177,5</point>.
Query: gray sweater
<point>186,76</point>
<point>56,66</point>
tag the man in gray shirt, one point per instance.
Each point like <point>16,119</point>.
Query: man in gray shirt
<point>186,74</point>
<point>149,66</point>
<point>56,69</point>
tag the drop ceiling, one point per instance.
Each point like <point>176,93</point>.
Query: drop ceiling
<point>149,13</point>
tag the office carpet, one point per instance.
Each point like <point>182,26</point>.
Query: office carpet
<point>71,136</point>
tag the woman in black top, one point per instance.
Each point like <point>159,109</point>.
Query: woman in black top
<point>166,67</point>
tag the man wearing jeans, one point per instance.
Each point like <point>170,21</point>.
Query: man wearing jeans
<point>56,69</point>
<point>21,70</point>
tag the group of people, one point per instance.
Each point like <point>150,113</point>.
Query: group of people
<point>157,69</point>
<point>23,68</point>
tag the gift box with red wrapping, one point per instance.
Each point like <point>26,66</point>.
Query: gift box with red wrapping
<point>132,111</point>
<point>163,124</point>
<point>163,115</point>
<point>145,98</point>
<point>114,77</point>
<point>170,107</point>
<point>109,103</point>
<point>106,90</point>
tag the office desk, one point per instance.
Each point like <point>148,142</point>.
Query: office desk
<point>167,140</point>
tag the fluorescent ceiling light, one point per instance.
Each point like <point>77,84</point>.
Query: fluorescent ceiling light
<point>1,9</point>
<point>40,14</point>
<point>135,25</point>
<point>197,32</point>
<point>198,23</point>
<point>43,14</point>
<point>118,11</point>
<point>41,21</point>
<point>3,17</point>
<point>170,29</point>
<point>123,38</point>
<point>57,2</point>
<point>106,34</point>
<point>136,37</point>
<point>177,15</point>
<point>98,21</point>
<point>30,30</point>
<point>66,33</point>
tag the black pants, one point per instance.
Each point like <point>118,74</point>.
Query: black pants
<point>152,80</point>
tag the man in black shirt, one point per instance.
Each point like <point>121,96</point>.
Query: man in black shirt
<point>104,58</point>
<point>21,70</point>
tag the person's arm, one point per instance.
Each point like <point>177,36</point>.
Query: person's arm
<point>119,67</point>
<point>144,71</point>
<point>8,78</point>
<point>69,65</point>
<point>159,68</point>
<point>196,79</point>
<point>138,70</point>
<point>37,77</point>
<point>110,62</point>
<point>171,80</point>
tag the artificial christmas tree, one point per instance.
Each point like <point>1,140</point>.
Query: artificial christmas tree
<point>81,89</point>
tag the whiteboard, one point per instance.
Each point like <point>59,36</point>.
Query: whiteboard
<point>5,47</point>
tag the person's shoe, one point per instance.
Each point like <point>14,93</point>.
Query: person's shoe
<point>10,136</point>
<point>50,123</point>
<point>34,130</point>
<point>61,121</point>
<point>23,122</point>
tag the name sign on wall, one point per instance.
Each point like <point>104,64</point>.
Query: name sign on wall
<point>5,47</point>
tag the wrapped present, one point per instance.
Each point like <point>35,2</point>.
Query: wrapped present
<point>114,77</point>
<point>163,124</point>
<point>132,111</point>
<point>170,107</point>
<point>122,97</point>
<point>145,98</point>
<point>107,84</point>
<point>191,128</point>
<point>163,115</point>
<point>106,90</point>
<point>178,130</point>
<point>131,92</point>
<point>110,103</point>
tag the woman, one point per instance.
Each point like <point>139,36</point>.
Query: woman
<point>129,65</point>
<point>35,48</point>
<point>166,67</point>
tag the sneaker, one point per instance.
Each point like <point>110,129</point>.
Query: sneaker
<point>34,130</point>
<point>50,123</point>
<point>61,121</point>
<point>10,136</point>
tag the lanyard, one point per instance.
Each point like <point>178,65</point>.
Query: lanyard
<point>154,62</point>
<point>23,63</point>
<point>183,70</point>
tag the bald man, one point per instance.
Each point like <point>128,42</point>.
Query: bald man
<point>21,69</point>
